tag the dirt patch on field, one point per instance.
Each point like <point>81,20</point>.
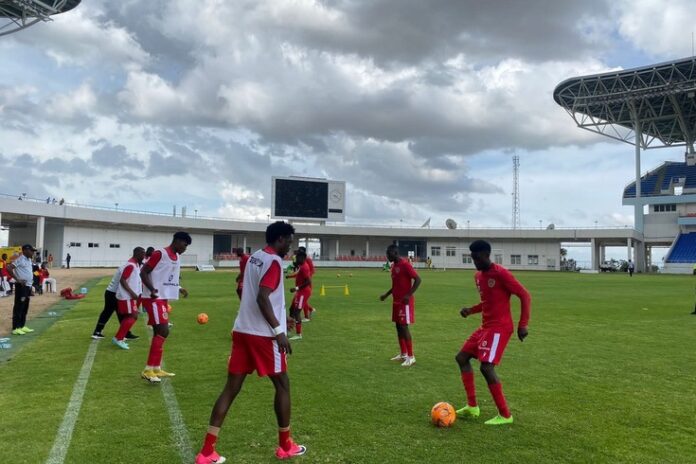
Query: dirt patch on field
<point>73,278</point>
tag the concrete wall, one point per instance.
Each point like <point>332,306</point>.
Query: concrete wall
<point>661,226</point>
<point>200,251</point>
<point>547,253</point>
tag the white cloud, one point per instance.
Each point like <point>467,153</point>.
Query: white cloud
<point>660,28</point>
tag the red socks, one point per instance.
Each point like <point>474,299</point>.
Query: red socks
<point>126,325</point>
<point>156,348</point>
<point>209,444</point>
<point>298,327</point>
<point>497,393</point>
<point>284,438</point>
<point>306,312</point>
<point>470,387</point>
<point>402,345</point>
<point>409,347</point>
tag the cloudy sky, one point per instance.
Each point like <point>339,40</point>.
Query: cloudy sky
<point>418,105</point>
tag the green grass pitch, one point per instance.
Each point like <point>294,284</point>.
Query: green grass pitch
<point>606,375</point>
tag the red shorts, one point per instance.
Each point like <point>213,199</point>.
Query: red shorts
<point>300,299</point>
<point>487,345</point>
<point>404,314</point>
<point>128,307</point>
<point>157,311</point>
<point>255,353</point>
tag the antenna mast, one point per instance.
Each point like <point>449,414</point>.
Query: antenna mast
<point>516,222</point>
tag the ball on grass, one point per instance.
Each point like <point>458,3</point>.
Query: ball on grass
<point>202,318</point>
<point>338,275</point>
<point>443,414</point>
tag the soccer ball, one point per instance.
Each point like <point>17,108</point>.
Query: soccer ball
<point>443,414</point>
<point>202,318</point>
<point>338,275</point>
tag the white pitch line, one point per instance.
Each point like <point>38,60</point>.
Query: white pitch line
<point>179,432</point>
<point>65,431</point>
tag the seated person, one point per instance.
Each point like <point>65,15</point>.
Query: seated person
<point>47,281</point>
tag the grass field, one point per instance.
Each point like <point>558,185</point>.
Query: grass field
<point>606,375</point>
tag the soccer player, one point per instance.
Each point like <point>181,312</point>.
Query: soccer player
<point>487,344</point>
<point>243,258</point>
<point>160,278</point>
<point>308,309</point>
<point>302,291</point>
<point>110,306</point>
<point>259,343</point>
<point>405,282</point>
<point>130,287</point>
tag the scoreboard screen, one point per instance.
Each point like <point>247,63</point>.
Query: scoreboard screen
<point>308,199</point>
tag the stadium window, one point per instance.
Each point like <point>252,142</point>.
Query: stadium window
<point>93,245</point>
<point>466,259</point>
<point>451,251</point>
<point>656,208</point>
<point>114,245</point>
<point>533,260</point>
<point>515,259</point>
<point>435,251</point>
<point>75,244</point>
<point>498,259</point>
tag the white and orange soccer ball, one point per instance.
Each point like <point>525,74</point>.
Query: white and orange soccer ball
<point>202,318</point>
<point>443,414</point>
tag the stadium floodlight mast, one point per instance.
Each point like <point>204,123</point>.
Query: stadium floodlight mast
<point>16,15</point>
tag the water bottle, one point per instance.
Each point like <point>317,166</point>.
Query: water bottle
<point>83,290</point>
<point>5,344</point>
<point>52,313</point>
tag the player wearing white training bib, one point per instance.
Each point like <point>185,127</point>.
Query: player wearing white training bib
<point>128,295</point>
<point>160,278</point>
<point>259,343</point>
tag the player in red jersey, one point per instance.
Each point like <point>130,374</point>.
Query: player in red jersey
<point>259,343</point>
<point>302,291</point>
<point>308,309</point>
<point>487,344</point>
<point>243,258</point>
<point>404,304</point>
<point>160,278</point>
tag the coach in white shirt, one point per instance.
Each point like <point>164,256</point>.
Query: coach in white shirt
<point>21,271</point>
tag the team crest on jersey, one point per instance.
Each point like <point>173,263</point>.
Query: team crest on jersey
<point>491,283</point>
<point>171,277</point>
<point>397,269</point>
<point>484,343</point>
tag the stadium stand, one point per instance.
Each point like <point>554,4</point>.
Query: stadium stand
<point>684,249</point>
<point>661,180</point>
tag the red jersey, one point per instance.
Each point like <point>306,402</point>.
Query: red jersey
<point>302,275</point>
<point>242,265</point>
<point>310,264</point>
<point>402,274</point>
<point>157,256</point>
<point>495,287</point>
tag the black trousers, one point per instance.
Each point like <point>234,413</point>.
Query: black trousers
<point>110,307</point>
<point>21,305</point>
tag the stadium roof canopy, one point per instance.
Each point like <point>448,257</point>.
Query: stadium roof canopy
<point>16,15</point>
<point>659,99</point>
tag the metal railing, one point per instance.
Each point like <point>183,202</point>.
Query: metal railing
<point>24,197</point>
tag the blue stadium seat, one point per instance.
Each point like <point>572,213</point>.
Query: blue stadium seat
<point>668,171</point>
<point>684,250</point>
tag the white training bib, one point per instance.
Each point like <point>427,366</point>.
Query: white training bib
<point>165,278</point>
<point>133,281</point>
<point>250,320</point>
